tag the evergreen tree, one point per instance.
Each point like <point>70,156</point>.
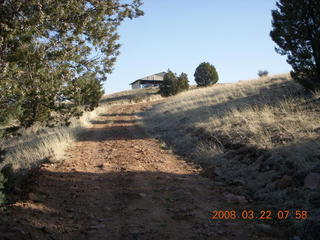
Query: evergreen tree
<point>172,84</point>
<point>263,73</point>
<point>54,52</point>
<point>206,74</point>
<point>296,25</point>
<point>183,82</point>
<point>169,85</point>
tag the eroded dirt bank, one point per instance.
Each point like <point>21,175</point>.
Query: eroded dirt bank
<point>117,183</point>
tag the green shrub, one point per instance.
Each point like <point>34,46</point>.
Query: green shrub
<point>9,112</point>
<point>183,82</point>
<point>206,74</point>
<point>169,84</point>
<point>263,73</point>
<point>172,84</point>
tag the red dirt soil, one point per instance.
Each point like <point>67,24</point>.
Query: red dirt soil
<point>118,183</point>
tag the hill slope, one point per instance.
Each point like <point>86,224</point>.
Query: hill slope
<point>260,135</point>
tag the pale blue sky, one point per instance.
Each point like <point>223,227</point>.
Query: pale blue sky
<point>180,34</point>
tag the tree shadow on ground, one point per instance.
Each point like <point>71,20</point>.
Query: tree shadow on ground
<point>122,205</point>
<point>113,121</point>
<point>113,132</point>
<point>117,114</point>
<point>115,205</point>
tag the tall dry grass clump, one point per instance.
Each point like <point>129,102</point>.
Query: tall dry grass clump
<point>30,147</point>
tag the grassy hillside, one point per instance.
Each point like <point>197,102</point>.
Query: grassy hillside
<point>260,135</point>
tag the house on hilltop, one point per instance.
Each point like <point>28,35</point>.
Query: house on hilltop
<point>150,81</point>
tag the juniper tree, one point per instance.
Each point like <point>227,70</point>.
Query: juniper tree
<point>183,82</point>
<point>206,74</point>
<point>296,31</point>
<point>55,55</point>
<point>169,85</point>
<point>172,84</point>
<point>263,73</point>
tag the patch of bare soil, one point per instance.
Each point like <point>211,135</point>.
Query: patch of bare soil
<point>118,183</point>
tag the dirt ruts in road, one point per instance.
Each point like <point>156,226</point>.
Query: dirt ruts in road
<point>118,183</point>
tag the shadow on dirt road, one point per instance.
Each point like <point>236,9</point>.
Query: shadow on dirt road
<point>117,183</point>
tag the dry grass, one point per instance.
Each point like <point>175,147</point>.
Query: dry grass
<point>266,112</point>
<point>132,96</point>
<point>37,144</point>
<point>253,132</point>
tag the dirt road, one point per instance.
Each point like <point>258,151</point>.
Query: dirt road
<point>118,183</point>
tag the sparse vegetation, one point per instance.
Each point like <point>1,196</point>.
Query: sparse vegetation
<point>263,73</point>
<point>259,140</point>
<point>296,32</point>
<point>261,135</point>
<point>206,74</point>
<point>132,96</point>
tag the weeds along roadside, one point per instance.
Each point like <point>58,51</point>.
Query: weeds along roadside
<point>33,146</point>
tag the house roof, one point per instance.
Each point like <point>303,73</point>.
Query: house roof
<point>154,77</point>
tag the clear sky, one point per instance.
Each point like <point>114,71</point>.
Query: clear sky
<point>178,35</point>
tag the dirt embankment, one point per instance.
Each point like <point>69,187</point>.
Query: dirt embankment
<point>118,183</point>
